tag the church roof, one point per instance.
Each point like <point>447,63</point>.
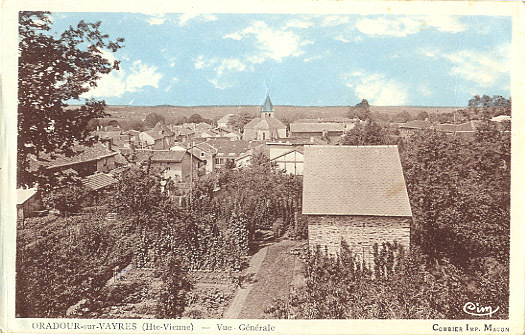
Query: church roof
<point>267,107</point>
<point>265,123</point>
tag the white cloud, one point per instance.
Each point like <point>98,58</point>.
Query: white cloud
<point>334,20</point>
<point>186,17</point>
<point>234,36</point>
<point>221,67</point>
<point>342,39</point>
<point>404,25</point>
<point>309,59</point>
<point>273,43</point>
<point>215,83</point>
<point>302,24</point>
<point>424,90</point>
<point>117,83</point>
<point>377,88</point>
<point>201,62</point>
<point>485,68</point>
<point>156,20</point>
<point>230,64</point>
<point>171,62</point>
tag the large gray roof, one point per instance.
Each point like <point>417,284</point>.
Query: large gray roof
<point>354,180</point>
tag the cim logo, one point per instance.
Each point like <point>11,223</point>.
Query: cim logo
<point>477,310</point>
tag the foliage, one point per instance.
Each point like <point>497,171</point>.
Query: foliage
<point>460,194</point>
<point>360,111</point>
<point>152,119</point>
<point>174,295</point>
<point>52,70</point>
<point>238,121</point>
<point>59,262</point>
<point>371,133</point>
<point>67,199</point>
<point>489,107</point>
<point>400,286</point>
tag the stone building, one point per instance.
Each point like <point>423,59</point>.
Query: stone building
<point>266,127</point>
<point>355,193</point>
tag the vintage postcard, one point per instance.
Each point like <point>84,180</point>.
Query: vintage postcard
<point>302,167</point>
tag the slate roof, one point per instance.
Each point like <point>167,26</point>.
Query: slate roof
<point>451,128</point>
<point>337,119</point>
<point>99,181</point>
<point>267,106</point>
<point>204,146</point>
<point>354,180</point>
<point>230,148</point>
<point>308,127</point>
<point>82,154</point>
<point>225,118</point>
<point>156,135</point>
<point>265,123</point>
<point>161,127</point>
<point>172,156</point>
<point>416,124</point>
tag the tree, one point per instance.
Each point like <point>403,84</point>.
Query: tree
<point>53,70</point>
<point>360,111</point>
<point>423,115</point>
<point>67,199</point>
<point>152,119</point>
<point>238,121</point>
<point>371,133</point>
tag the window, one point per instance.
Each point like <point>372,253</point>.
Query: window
<point>202,154</point>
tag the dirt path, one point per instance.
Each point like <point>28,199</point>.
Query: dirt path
<point>238,300</point>
<point>273,267</point>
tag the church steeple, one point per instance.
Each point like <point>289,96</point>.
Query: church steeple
<point>267,108</point>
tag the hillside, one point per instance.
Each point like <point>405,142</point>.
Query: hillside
<point>281,112</point>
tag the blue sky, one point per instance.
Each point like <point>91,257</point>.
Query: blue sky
<point>310,60</point>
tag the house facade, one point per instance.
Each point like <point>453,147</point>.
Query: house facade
<point>27,202</point>
<point>178,165</point>
<point>358,194</point>
<point>207,153</point>
<point>159,137</point>
<point>291,161</point>
<point>228,151</point>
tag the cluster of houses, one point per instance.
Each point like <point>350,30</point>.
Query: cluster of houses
<point>465,129</point>
<point>353,192</point>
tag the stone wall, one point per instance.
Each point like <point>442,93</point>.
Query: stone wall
<point>360,232</point>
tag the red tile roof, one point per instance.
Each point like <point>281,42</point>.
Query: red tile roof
<point>354,180</point>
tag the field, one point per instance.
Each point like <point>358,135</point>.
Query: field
<point>281,112</point>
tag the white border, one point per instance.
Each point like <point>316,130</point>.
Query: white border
<point>8,149</point>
